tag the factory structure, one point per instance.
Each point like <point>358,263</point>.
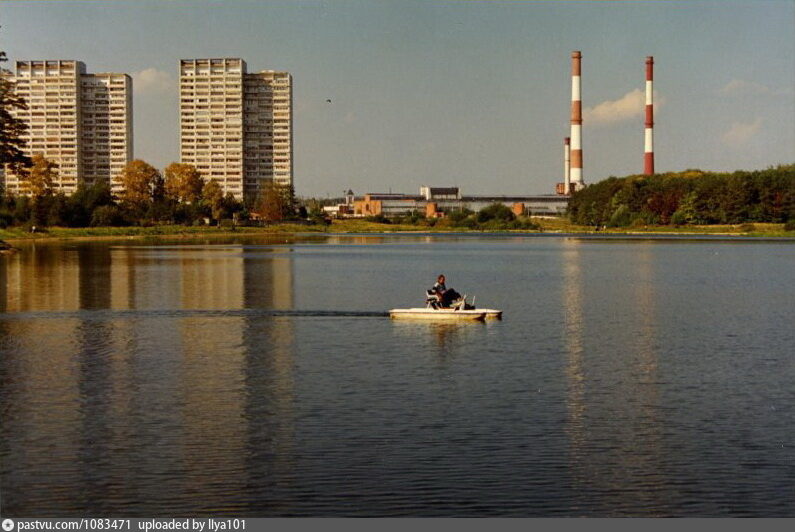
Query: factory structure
<point>574,180</point>
<point>572,145</point>
<point>436,201</point>
<point>648,153</point>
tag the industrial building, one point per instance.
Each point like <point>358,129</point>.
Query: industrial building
<point>80,121</point>
<point>432,201</point>
<point>236,127</point>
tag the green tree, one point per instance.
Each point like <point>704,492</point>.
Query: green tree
<point>11,128</point>
<point>495,211</point>
<point>213,197</point>
<point>275,202</point>
<point>107,216</point>
<point>85,200</point>
<point>692,196</point>
<point>142,183</point>
<point>686,213</point>
<point>621,217</point>
<point>183,183</point>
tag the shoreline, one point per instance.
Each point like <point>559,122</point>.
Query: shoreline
<point>557,227</point>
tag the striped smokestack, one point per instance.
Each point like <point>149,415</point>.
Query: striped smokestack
<point>648,155</point>
<point>576,123</point>
<point>566,165</point>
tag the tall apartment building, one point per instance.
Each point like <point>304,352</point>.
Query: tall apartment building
<point>81,121</point>
<point>106,119</point>
<point>236,127</point>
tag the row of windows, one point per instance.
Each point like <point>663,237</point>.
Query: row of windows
<point>214,74</point>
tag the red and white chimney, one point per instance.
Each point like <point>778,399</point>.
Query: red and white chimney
<point>576,124</point>
<point>567,165</point>
<point>648,155</point>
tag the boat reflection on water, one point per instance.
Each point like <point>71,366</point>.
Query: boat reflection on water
<point>443,337</point>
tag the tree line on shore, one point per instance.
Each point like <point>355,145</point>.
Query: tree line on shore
<point>178,195</point>
<point>691,197</point>
<point>494,217</point>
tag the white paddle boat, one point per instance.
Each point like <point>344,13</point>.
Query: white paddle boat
<point>459,310</point>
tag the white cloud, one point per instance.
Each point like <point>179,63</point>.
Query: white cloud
<point>630,106</point>
<point>152,80</point>
<point>740,86</point>
<point>740,132</point>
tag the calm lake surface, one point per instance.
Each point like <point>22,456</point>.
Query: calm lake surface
<point>628,377</point>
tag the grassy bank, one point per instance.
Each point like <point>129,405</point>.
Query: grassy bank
<point>13,234</point>
<point>548,225</point>
<point>562,225</point>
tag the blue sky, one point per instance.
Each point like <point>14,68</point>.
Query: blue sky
<point>474,94</point>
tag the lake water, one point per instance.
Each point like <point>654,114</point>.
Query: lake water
<point>256,377</point>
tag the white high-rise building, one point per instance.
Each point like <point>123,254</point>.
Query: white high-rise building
<point>236,127</point>
<point>106,118</point>
<point>80,121</point>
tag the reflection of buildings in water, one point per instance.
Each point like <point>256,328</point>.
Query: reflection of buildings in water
<point>212,399</point>
<point>40,417</point>
<point>3,283</point>
<point>212,278</point>
<point>103,381</point>
<point>614,441</point>
<point>143,382</point>
<point>237,387</point>
<point>122,278</point>
<point>40,379</point>
<point>211,388</point>
<point>269,281</point>
<point>356,239</point>
<point>126,399</point>
<point>268,368</point>
<point>94,273</point>
<point>269,410</point>
<point>42,277</point>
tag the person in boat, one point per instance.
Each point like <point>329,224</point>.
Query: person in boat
<point>444,296</point>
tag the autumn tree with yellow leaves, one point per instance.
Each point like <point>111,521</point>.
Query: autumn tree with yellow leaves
<point>141,182</point>
<point>183,183</point>
<point>38,181</point>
